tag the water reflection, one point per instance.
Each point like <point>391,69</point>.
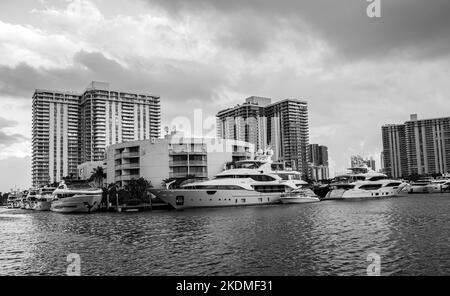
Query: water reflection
<point>410,233</point>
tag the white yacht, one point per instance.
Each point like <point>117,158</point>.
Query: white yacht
<point>30,199</point>
<point>251,182</point>
<point>44,199</point>
<point>13,200</point>
<point>299,196</point>
<point>364,183</point>
<point>76,198</point>
<point>438,186</point>
<point>420,186</point>
<point>303,194</point>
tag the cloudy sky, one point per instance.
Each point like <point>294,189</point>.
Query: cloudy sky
<point>356,72</point>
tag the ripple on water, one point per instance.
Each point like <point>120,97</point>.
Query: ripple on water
<point>411,234</point>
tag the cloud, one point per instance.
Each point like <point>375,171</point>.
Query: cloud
<point>9,138</point>
<point>408,27</point>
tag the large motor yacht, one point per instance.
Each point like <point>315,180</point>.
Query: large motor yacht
<point>363,182</point>
<point>44,199</point>
<point>438,186</point>
<point>30,199</point>
<point>76,198</point>
<point>420,186</point>
<point>251,182</point>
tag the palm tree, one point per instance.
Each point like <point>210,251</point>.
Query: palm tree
<point>98,174</point>
<point>138,188</point>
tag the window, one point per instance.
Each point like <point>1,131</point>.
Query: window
<point>243,200</point>
<point>370,187</point>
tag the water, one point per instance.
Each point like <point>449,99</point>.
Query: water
<point>411,234</point>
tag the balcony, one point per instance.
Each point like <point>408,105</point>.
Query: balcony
<point>130,154</point>
<point>128,166</point>
<point>127,177</point>
<point>183,175</point>
<point>173,163</point>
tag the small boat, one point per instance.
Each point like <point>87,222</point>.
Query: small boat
<point>76,198</point>
<point>299,196</point>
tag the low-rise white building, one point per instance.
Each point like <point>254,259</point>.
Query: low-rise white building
<point>172,157</point>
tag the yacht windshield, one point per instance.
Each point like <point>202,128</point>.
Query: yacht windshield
<point>248,164</point>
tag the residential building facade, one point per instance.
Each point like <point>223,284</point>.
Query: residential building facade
<point>172,157</point>
<point>417,147</point>
<point>318,161</point>
<point>74,128</point>
<point>282,126</point>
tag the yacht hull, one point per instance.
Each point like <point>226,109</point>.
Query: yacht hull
<point>437,188</point>
<point>183,198</point>
<point>418,189</point>
<point>298,200</point>
<point>349,194</point>
<point>43,206</point>
<point>77,204</point>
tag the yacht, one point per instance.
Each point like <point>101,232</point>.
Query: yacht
<point>44,199</point>
<point>420,186</point>
<point>362,183</point>
<point>251,182</point>
<point>299,196</point>
<point>13,200</point>
<point>76,198</point>
<point>30,199</point>
<point>303,194</point>
<point>438,186</point>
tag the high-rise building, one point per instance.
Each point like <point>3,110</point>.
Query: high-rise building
<point>395,162</point>
<point>55,135</point>
<point>72,128</point>
<point>282,126</point>
<point>246,122</point>
<point>417,147</point>
<point>318,157</point>
<point>111,116</point>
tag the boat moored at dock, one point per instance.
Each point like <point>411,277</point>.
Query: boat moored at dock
<point>438,186</point>
<point>364,183</point>
<point>420,186</point>
<point>44,199</point>
<point>79,198</point>
<point>252,182</point>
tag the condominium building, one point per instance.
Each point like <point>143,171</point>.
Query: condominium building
<point>394,156</point>
<point>111,116</point>
<point>172,157</point>
<point>55,135</point>
<point>417,147</point>
<point>318,158</point>
<point>282,126</point>
<point>73,128</point>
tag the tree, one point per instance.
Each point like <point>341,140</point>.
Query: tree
<point>180,181</point>
<point>97,176</point>
<point>137,188</point>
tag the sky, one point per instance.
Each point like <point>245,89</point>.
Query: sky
<point>356,72</point>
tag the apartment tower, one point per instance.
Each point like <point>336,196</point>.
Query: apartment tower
<point>282,126</point>
<point>72,128</point>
